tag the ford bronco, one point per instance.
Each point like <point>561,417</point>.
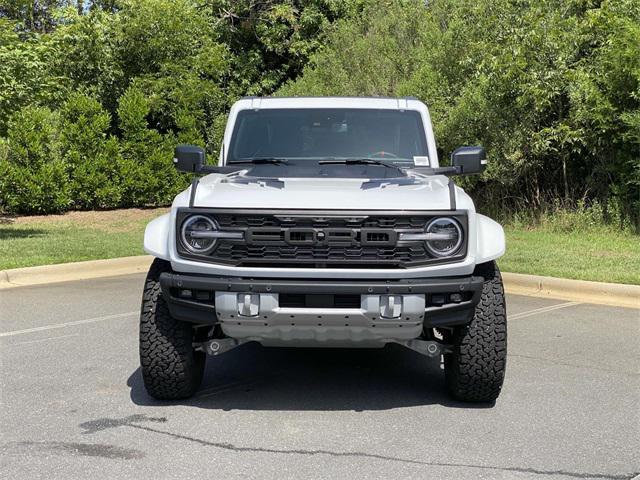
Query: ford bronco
<point>327,222</point>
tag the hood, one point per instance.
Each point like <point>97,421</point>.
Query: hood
<point>405,193</point>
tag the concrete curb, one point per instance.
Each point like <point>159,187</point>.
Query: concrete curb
<point>65,272</point>
<point>615,294</point>
<point>532,285</point>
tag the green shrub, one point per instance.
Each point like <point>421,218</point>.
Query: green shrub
<point>97,182</point>
<point>40,190</point>
<point>33,137</point>
<point>148,175</point>
<point>34,176</point>
<point>90,153</point>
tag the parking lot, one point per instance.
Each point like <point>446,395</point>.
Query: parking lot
<point>73,404</point>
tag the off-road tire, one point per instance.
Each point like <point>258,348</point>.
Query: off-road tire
<point>171,368</point>
<point>474,371</point>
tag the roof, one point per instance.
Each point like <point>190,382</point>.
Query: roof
<point>405,103</point>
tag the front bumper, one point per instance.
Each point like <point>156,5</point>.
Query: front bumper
<point>385,310</point>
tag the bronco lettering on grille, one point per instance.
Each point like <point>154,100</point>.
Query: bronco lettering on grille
<point>321,236</point>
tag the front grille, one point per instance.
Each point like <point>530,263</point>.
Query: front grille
<point>256,255</point>
<point>321,240</point>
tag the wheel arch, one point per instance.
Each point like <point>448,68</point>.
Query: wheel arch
<point>156,237</point>
<point>491,242</point>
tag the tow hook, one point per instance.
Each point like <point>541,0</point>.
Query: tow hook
<point>217,346</point>
<point>425,347</point>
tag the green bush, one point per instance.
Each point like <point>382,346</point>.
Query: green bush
<point>39,190</point>
<point>34,176</point>
<point>33,137</point>
<point>91,155</point>
<point>148,175</point>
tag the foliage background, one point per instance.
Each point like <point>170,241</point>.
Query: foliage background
<point>94,95</point>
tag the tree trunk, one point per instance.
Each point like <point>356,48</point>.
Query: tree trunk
<point>564,179</point>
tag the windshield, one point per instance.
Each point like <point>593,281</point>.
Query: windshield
<point>321,134</point>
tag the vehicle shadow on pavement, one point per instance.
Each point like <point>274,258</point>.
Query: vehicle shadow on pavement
<point>252,377</point>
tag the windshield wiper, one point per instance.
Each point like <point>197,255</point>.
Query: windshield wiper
<point>263,161</point>
<point>358,161</point>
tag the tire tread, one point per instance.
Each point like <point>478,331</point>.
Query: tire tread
<point>475,369</point>
<point>171,369</point>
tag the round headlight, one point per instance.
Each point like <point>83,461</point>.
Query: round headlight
<point>446,236</point>
<point>196,234</point>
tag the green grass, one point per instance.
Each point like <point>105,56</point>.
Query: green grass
<point>599,254</point>
<point>73,237</point>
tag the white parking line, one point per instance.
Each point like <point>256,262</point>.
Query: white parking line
<point>537,311</point>
<point>68,324</point>
<point>48,339</point>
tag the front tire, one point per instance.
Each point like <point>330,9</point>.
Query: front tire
<point>474,371</point>
<point>171,368</point>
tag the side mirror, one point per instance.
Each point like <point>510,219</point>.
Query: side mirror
<point>469,159</point>
<point>189,158</point>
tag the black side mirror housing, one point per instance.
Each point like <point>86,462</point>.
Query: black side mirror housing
<point>189,158</point>
<point>469,160</point>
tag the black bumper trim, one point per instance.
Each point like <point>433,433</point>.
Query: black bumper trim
<point>219,284</point>
<point>199,312</point>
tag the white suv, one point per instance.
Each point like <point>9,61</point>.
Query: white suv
<point>328,222</point>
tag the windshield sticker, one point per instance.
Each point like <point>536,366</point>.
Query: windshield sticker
<point>421,161</point>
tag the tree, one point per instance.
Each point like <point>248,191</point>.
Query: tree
<point>25,73</point>
<point>31,15</point>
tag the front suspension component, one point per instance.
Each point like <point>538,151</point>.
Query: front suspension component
<point>216,346</point>
<point>425,347</point>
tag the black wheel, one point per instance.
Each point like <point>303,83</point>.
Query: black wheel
<point>474,371</point>
<point>171,368</point>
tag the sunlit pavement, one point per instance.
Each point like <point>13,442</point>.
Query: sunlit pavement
<point>73,404</point>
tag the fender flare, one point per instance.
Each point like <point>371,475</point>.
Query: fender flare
<point>156,237</point>
<point>491,242</point>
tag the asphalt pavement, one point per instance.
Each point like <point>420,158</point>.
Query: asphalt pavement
<point>73,403</point>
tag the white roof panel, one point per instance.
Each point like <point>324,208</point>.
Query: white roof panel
<point>327,102</point>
